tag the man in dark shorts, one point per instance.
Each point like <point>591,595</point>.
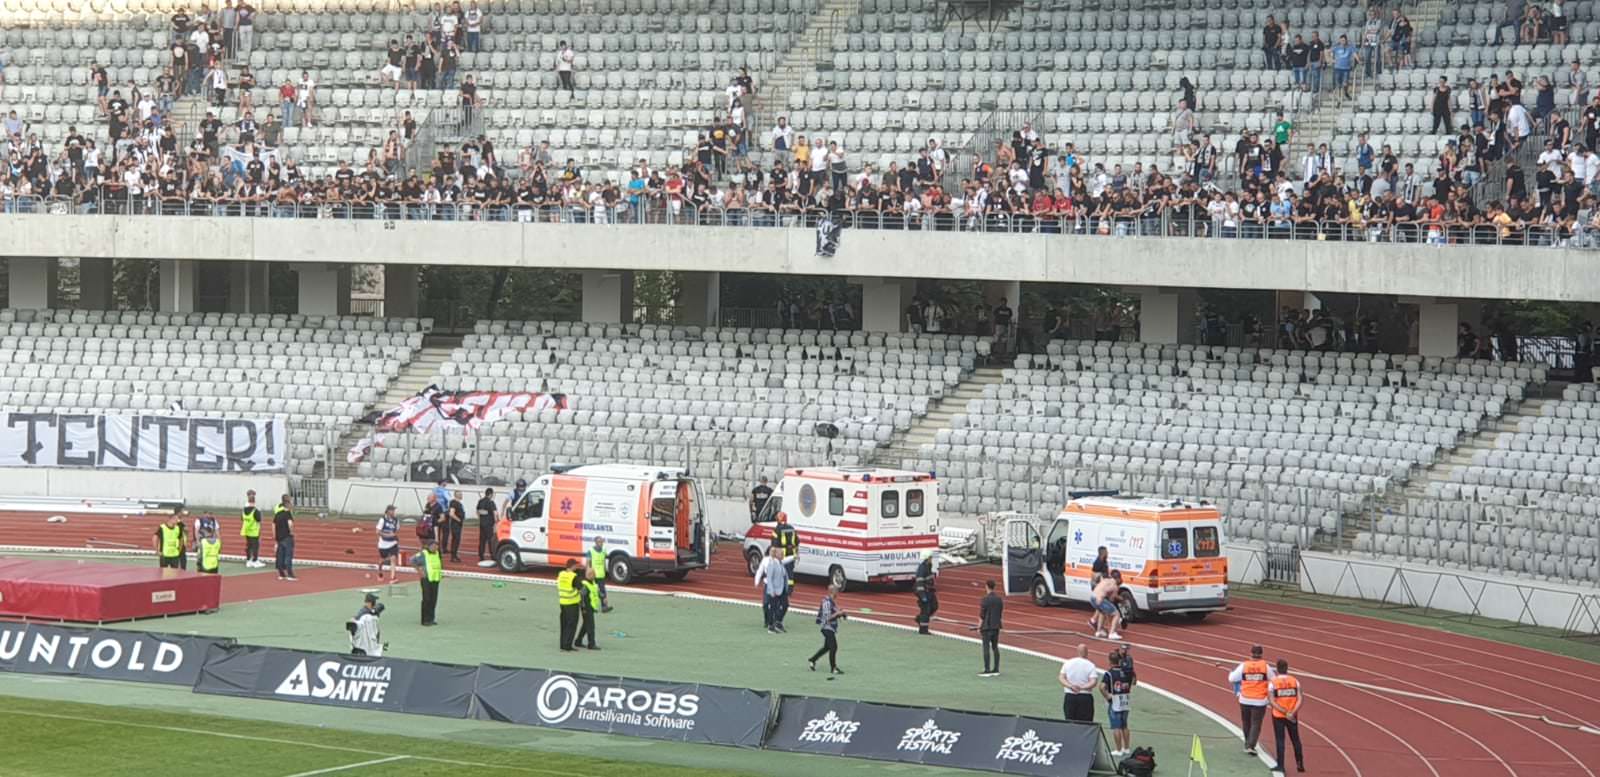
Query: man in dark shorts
<point>388,542</point>
<point>486,517</point>
<point>1116,685</point>
<point>169,542</point>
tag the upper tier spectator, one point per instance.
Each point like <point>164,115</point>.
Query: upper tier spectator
<point>565,61</point>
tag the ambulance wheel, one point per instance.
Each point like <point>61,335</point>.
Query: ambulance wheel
<point>1128,607</point>
<point>1041,592</point>
<point>836,577</point>
<point>619,569</point>
<point>509,558</point>
<point>752,559</point>
<point>676,575</point>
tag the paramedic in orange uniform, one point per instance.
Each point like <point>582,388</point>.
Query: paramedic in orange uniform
<point>1284,695</point>
<point>1252,678</point>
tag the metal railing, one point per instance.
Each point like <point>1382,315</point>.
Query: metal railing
<point>1569,612</point>
<point>1170,223</point>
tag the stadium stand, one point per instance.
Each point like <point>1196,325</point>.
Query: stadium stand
<point>321,372</point>
<point>919,123</point>
<point>1522,500</point>
<point>874,84</point>
<point>1291,443</point>
<point>731,402</point>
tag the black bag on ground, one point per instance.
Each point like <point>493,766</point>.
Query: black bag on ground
<point>1140,763</point>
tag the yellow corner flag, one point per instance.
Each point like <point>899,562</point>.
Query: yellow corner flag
<point>1197,754</point>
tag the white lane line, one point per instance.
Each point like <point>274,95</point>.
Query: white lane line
<point>347,767</point>
<point>277,741</point>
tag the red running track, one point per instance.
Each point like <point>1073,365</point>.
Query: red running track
<point>1383,699</point>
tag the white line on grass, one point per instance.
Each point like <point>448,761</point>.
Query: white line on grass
<point>276,741</point>
<point>347,767</point>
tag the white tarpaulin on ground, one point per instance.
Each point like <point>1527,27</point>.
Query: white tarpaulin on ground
<point>150,442</point>
<point>432,409</point>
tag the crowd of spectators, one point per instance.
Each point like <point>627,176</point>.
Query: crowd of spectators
<point>732,174</point>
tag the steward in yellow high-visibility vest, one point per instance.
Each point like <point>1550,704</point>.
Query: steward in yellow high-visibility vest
<point>210,555</point>
<point>591,604</point>
<point>169,542</point>
<point>250,530</point>
<point>597,565</point>
<point>567,594</point>
<point>431,565</point>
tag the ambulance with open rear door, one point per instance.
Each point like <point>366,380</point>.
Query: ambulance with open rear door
<point>856,524</point>
<point>1169,552</point>
<point>652,519</point>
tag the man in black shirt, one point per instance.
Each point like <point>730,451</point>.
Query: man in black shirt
<point>283,535</point>
<point>1316,57</point>
<point>1299,57</point>
<point>210,132</point>
<point>1036,164</point>
<point>486,510</point>
<point>455,518</point>
<point>1003,332</point>
<point>759,496</point>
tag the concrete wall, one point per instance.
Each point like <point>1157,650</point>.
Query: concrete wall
<point>1459,271</point>
<point>196,490</point>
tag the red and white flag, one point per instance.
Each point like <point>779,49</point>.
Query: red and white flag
<point>432,409</point>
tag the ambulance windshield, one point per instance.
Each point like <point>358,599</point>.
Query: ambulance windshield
<point>531,506</point>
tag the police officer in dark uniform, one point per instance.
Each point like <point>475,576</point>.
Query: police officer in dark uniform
<point>486,517</point>
<point>927,597</point>
<point>759,496</point>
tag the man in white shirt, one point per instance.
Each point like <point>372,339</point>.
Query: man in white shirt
<point>782,135</point>
<point>365,638</point>
<point>1079,678</point>
<point>1251,679</point>
<point>1552,155</point>
<point>474,28</point>
<point>1518,122</point>
<point>565,57</point>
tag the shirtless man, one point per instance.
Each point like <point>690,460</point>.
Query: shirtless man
<point>1103,598</point>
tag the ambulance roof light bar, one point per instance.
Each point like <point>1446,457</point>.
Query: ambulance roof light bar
<point>1093,492</point>
<point>562,469</point>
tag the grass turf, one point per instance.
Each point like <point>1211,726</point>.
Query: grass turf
<point>648,636</point>
<point>87,740</point>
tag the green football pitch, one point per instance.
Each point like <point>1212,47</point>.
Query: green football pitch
<point>58,726</point>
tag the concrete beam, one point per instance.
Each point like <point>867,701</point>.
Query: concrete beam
<point>1166,316</point>
<point>324,289</point>
<point>400,294</point>
<point>1471,272</point>
<point>249,288</point>
<point>700,298</point>
<point>95,278</point>
<point>608,296</point>
<point>33,282</point>
<point>180,285</point>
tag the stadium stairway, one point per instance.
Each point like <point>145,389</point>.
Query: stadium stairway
<point>903,450</point>
<point>813,47</point>
<point>1426,481</point>
<point>1320,123</point>
<point>413,377</point>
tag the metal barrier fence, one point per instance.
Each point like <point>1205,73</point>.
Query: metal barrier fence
<point>1488,536</point>
<point>1511,603</point>
<point>1167,224</point>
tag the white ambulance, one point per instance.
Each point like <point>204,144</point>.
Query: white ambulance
<point>652,518</point>
<point>855,524</point>
<point>1169,553</point>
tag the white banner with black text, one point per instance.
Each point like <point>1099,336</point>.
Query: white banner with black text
<point>148,442</point>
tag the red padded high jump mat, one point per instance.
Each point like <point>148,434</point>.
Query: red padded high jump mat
<point>67,590</point>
